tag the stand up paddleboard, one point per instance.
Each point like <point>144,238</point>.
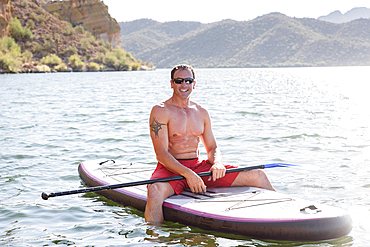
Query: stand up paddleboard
<point>248,211</point>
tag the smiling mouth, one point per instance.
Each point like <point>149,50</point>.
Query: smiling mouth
<point>184,90</point>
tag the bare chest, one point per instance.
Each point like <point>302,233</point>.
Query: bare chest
<point>185,123</point>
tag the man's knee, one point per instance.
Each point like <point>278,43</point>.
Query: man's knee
<point>159,191</point>
<point>154,190</point>
<point>252,174</point>
<point>260,174</point>
<point>249,178</point>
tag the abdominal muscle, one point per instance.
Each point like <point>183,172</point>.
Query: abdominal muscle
<point>184,130</point>
<point>186,147</point>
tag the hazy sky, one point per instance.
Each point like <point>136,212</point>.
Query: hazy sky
<point>207,11</point>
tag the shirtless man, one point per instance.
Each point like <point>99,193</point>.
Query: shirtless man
<point>176,128</point>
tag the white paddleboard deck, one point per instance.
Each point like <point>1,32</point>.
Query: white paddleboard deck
<point>248,211</point>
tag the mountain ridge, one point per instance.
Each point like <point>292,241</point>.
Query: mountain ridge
<point>272,40</point>
<point>353,14</point>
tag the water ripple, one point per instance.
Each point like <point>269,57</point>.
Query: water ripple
<point>314,117</point>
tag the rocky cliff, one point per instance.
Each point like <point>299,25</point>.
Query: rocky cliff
<point>92,14</point>
<point>5,17</point>
<point>34,40</point>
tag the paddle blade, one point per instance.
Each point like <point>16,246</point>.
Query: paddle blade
<point>272,165</point>
<point>44,196</point>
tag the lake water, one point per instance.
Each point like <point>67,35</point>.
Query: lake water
<point>317,118</point>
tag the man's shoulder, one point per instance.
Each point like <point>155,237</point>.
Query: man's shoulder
<point>160,108</point>
<point>159,105</point>
<point>198,107</point>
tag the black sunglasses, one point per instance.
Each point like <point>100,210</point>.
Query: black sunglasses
<point>180,80</point>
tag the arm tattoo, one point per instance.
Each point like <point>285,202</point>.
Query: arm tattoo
<point>156,127</point>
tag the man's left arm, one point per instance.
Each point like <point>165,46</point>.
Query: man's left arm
<point>214,154</point>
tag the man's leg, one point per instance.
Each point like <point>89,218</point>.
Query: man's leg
<point>157,193</point>
<point>253,178</point>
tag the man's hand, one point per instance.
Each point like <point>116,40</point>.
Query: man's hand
<point>218,171</point>
<point>195,183</point>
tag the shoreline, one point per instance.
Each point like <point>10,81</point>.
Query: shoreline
<point>2,72</point>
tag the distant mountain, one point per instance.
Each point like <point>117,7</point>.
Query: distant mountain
<point>145,34</point>
<point>353,14</point>
<point>272,40</point>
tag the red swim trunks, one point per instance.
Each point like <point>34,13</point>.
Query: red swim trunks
<point>197,166</point>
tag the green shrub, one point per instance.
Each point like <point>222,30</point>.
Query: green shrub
<point>92,40</point>
<point>69,29</point>
<point>24,3</point>
<point>93,66</point>
<point>135,66</point>
<point>101,41</point>
<point>120,53</point>
<point>48,46</point>
<point>33,16</point>
<point>9,55</point>
<point>41,18</point>
<point>85,44</point>
<point>27,56</point>
<point>37,48</point>
<point>57,36</point>
<point>61,67</point>
<point>89,34</point>
<point>76,62</point>
<point>51,60</point>
<point>117,59</point>
<point>71,50</point>
<point>48,36</point>
<point>111,60</point>
<point>40,10</point>
<point>30,23</point>
<point>130,57</point>
<point>18,32</point>
<point>123,64</point>
<point>10,63</point>
<point>57,15</point>
<point>103,50</point>
<point>28,33</point>
<point>8,44</point>
<point>108,46</point>
<point>80,29</point>
<point>101,57</point>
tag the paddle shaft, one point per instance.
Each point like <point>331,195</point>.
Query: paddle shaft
<point>150,181</point>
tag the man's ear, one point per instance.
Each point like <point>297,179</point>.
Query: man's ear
<point>194,84</point>
<point>171,84</point>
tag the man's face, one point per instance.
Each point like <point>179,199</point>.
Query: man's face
<point>183,90</point>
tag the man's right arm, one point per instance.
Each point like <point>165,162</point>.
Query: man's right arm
<point>159,134</point>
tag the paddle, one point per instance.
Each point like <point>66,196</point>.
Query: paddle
<point>150,181</point>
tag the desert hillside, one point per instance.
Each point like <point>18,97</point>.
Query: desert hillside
<point>32,39</point>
